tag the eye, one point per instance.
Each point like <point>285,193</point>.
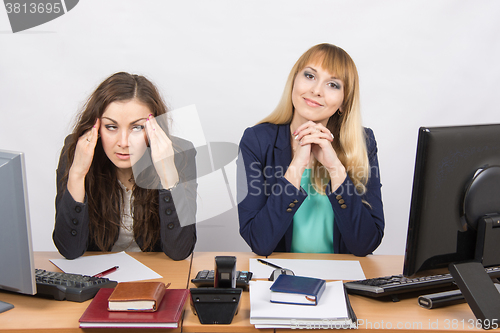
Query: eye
<point>137,128</point>
<point>334,85</point>
<point>308,75</point>
<point>110,127</point>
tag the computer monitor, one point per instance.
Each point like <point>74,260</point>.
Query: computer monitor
<point>17,271</point>
<point>445,208</point>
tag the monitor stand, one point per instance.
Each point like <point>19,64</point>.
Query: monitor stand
<point>474,283</point>
<point>5,306</point>
<point>479,292</point>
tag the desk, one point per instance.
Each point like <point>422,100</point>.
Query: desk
<point>38,314</point>
<point>403,316</point>
<point>44,315</point>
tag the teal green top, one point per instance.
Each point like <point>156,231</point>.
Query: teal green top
<point>313,221</point>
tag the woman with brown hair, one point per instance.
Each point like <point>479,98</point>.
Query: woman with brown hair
<point>310,169</point>
<point>104,201</point>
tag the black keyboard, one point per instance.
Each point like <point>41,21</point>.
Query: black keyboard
<point>205,278</point>
<point>70,287</point>
<point>398,284</point>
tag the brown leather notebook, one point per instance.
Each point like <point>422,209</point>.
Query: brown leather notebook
<point>136,296</point>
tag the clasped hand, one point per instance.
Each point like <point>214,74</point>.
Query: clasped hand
<point>315,140</point>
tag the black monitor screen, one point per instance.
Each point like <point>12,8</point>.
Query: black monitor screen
<point>446,161</point>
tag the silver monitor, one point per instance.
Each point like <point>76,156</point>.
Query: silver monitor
<point>17,269</point>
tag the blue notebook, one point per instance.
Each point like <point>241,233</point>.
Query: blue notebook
<point>297,290</point>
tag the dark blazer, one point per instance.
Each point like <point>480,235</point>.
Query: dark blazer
<point>266,212</point>
<point>71,230</point>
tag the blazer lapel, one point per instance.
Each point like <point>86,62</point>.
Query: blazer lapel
<point>283,156</point>
<point>282,147</point>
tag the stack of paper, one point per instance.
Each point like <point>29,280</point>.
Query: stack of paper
<point>333,310</point>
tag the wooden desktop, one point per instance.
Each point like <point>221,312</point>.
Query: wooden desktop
<point>45,315</point>
<point>38,314</point>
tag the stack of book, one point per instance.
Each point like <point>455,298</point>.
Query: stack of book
<point>135,305</point>
<point>331,311</point>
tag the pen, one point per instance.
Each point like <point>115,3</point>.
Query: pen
<point>106,272</point>
<point>269,264</point>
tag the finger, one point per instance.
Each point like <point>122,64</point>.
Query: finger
<point>315,133</point>
<point>152,122</point>
<point>160,133</point>
<point>309,128</point>
<point>322,135</point>
<point>304,126</point>
<point>146,137</point>
<point>302,130</point>
<point>86,137</point>
<point>149,132</point>
<point>154,138</point>
<point>323,131</point>
<point>329,135</point>
<point>323,142</point>
<point>322,128</point>
<point>90,135</point>
<point>97,124</point>
<point>95,132</point>
<point>302,133</point>
<point>161,137</point>
<point>156,133</point>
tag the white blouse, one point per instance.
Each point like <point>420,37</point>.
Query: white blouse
<point>126,240</point>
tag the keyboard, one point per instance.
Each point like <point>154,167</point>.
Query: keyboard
<point>398,284</point>
<point>205,278</point>
<point>70,287</point>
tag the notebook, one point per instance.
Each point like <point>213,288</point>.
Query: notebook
<point>167,315</point>
<point>297,290</point>
<point>333,309</point>
<point>136,296</point>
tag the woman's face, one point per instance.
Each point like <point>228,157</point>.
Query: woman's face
<point>123,136</point>
<point>316,95</point>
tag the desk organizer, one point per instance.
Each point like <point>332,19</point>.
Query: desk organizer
<point>215,305</point>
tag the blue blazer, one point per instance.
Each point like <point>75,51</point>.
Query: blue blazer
<point>267,201</point>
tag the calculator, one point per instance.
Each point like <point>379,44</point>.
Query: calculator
<point>205,278</point>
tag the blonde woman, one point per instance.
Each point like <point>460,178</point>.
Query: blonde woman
<point>310,168</point>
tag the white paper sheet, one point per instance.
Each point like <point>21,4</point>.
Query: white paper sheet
<point>321,269</point>
<point>129,268</point>
<point>331,306</point>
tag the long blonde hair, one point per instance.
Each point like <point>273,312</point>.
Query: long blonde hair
<point>350,139</point>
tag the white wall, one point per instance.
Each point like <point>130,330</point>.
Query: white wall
<point>421,62</point>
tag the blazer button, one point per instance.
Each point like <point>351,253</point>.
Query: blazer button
<point>341,201</point>
<point>74,232</point>
<point>168,212</point>
<point>289,210</point>
<point>338,197</point>
<point>167,198</point>
<point>343,206</point>
<point>78,209</point>
<point>295,201</point>
<point>170,225</point>
<point>75,221</point>
<point>291,205</point>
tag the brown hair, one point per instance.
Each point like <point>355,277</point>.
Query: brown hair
<point>104,193</point>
